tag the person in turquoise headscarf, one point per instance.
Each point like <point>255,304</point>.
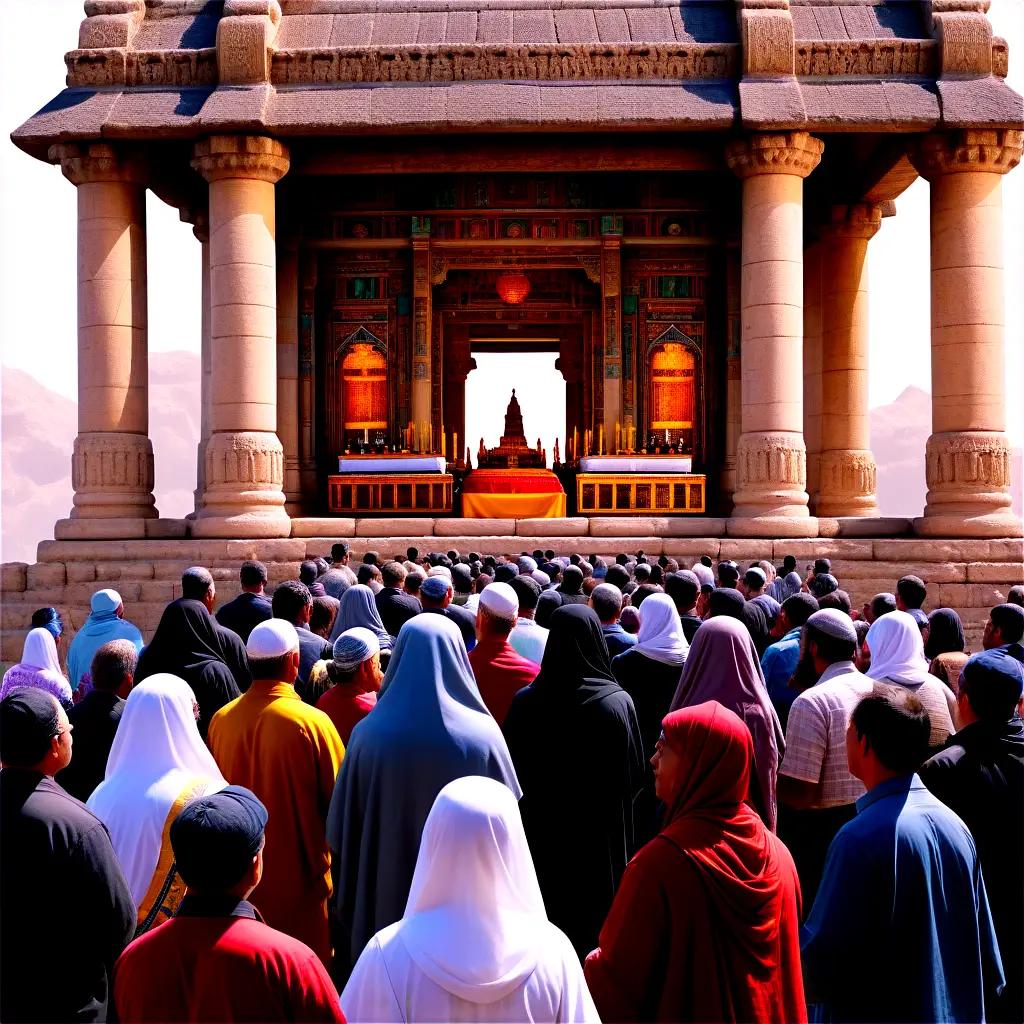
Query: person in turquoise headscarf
<point>106,622</point>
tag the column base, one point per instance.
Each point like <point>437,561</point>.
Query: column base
<point>112,474</point>
<point>243,496</point>
<point>771,477</point>
<point>848,484</point>
<point>968,475</point>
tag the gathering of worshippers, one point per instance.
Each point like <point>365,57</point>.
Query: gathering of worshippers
<point>458,787</point>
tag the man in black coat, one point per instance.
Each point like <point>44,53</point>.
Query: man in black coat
<point>251,607</point>
<point>396,607</point>
<point>67,910</point>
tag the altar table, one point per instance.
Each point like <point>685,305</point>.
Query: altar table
<point>636,464</point>
<point>391,464</point>
<point>512,494</point>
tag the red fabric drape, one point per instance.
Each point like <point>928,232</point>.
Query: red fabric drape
<point>705,925</point>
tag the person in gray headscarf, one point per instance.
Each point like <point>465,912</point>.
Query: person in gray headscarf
<point>358,608</point>
<point>429,727</point>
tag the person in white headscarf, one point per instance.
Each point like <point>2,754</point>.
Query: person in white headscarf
<point>158,765</point>
<point>39,667</point>
<point>649,672</point>
<point>897,658</point>
<point>474,943</point>
<point>428,728</point>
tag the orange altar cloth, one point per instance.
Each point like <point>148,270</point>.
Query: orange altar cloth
<point>512,494</point>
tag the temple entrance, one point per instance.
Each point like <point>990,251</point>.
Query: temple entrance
<point>531,370</point>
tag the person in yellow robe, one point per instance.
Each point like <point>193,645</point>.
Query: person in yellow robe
<point>288,754</point>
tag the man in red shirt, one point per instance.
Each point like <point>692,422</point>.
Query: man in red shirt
<point>217,960</point>
<point>355,677</point>
<point>501,672</point>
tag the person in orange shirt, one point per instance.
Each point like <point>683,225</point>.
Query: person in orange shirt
<point>288,754</point>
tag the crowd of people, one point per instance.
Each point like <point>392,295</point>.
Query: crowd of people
<point>527,788</point>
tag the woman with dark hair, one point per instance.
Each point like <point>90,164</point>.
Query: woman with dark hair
<point>705,925</point>
<point>945,647</point>
<point>575,741</point>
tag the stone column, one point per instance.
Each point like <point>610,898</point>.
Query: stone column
<point>244,458</point>
<point>422,315</point>
<point>288,372</point>
<point>771,472</point>
<point>201,230</point>
<point>968,456</point>
<point>733,382</point>
<point>812,369</point>
<point>611,299</point>
<point>848,473</point>
<point>112,465</point>
<point>308,270</point>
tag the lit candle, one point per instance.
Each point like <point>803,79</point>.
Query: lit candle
<point>455,446</point>
<point>618,437</point>
<point>600,443</point>
<point>575,444</point>
<point>443,448</point>
<point>366,435</point>
<point>666,435</point>
<point>430,437</point>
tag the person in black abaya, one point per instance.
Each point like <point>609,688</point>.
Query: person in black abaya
<point>189,644</point>
<point>575,742</point>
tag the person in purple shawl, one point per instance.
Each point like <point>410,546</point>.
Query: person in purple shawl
<point>722,665</point>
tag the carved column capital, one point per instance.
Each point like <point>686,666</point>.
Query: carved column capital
<point>88,162</point>
<point>849,483</point>
<point>992,151</point>
<point>112,475</point>
<point>858,220</point>
<point>241,156</point>
<point>783,153</point>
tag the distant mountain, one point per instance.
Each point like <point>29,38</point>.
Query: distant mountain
<point>899,433</point>
<point>38,428</point>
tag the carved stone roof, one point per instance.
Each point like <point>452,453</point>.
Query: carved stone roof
<point>151,69</point>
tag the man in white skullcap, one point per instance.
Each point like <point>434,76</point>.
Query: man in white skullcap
<point>288,754</point>
<point>817,793</point>
<point>501,671</point>
<point>354,674</point>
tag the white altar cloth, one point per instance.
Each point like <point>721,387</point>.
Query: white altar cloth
<point>403,464</point>
<point>636,464</point>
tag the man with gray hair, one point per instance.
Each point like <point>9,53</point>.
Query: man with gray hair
<point>501,671</point>
<point>606,600</point>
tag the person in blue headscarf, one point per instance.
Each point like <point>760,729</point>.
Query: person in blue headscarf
<point>429,727</point>
<point>358,608</point>
<point>106,622</point>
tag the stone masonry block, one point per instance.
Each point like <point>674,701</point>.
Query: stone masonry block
<point>13,577</point>
<point>339,529</point>
<point>12,643</point>
<point>237,551</point>
<point>690,549</point>
<point>743,551</point>
<point>1007,573</point>
<point>81,572</point>
<point>473,527</point>
<point>808,550</point>
<point>157,590</point>
<point>628,526</point>
<point>39,576</point>
<point>278,571</point>
<point>15,613</point>
<point>697,526</point>
<point>575,527</point>
<point>137,571</point>
<point>930,572</point>
<point>396,528</point>
<point>949,550</point>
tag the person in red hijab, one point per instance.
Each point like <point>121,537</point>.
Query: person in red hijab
<point>705,923</point>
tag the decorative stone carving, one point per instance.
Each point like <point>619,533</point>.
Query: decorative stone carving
<point>859,220</point>
<point>994,151</point>
<point>771,458</point>
<point>245,37</point>
<point>767,37</point>
<point>964,37</point>
<point>849,484</point>
<point>482,62</point>
<point>591,267</point>
<point>110,24</point>
<point>112,476</point>
<point>784,153</point>
<point>243,468</point>
<point>241,156</point>
<point>818,58</point>
<point>97,161</point>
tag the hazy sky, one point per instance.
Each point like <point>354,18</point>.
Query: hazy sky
<point>37,273</point>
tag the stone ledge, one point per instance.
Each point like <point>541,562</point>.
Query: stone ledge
<point>101,529</point>
<point>13,577</point>
<point>341,529</point>
<point>394,527</point>
<point>994,572</point>
<point>474,527</point>
<point>576,527</point>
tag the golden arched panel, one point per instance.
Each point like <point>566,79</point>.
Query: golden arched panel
<point>364,388</point>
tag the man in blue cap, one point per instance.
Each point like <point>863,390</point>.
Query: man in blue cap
<point>436,595</point>
<point>979,773</point>
<point>216,960</point>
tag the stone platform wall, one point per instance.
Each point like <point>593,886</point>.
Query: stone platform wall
<point>968,575</point>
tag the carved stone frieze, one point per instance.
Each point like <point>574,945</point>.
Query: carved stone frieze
<point>112,67</point>
<point>97,161</point>
<point>245,460</point>
<point>817,58</point>
<point>112,475</point>
<point>769,153</point>
<point>483,62</point>
<point>241,156</point>
<point>771,459</point>
<point>848,483</point>
<point>972,460</point>
<point>995,151</point>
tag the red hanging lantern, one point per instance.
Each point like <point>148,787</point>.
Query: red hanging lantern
<point>513,287</point>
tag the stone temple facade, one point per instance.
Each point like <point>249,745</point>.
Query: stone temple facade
<point>704,173</point>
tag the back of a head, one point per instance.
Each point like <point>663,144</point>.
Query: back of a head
<point>911,591</point>
<point>29,721</point>
<point>642,592</point>
<point>49,619</point>
<point>896,727</point>
<point>617,576</point>
<point>607,601</point>
<point>252,573</point>
<point>325,611</point>
<point>728,574</point>
<point>838,599</point>
<point>392,574</point>
<point>754,579</point>
<point>307,572</point>
<point>642,572</point>
<point>823,583</point>
<point>112,663</point>
<point>833,634</point>
<point>705,560</point>
<point>788,564</point>
<point>1009,620</point>
<point>434,590</point>
<point>621,558</point>
<point>799,608</point>
<point>269,647</point>
<point>572,580</point>
<point>683,587</point>
<point>1015,595</point>
<point>882,604</point>
<point>413,582</point>
<point>195,583</point>
<point>993,682</point>
<point>289,600</point>
<point>462,579</point>
<point>366,573</point>
<point>822,566</point>
<point>527,591</point>
<point>339,551</point>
